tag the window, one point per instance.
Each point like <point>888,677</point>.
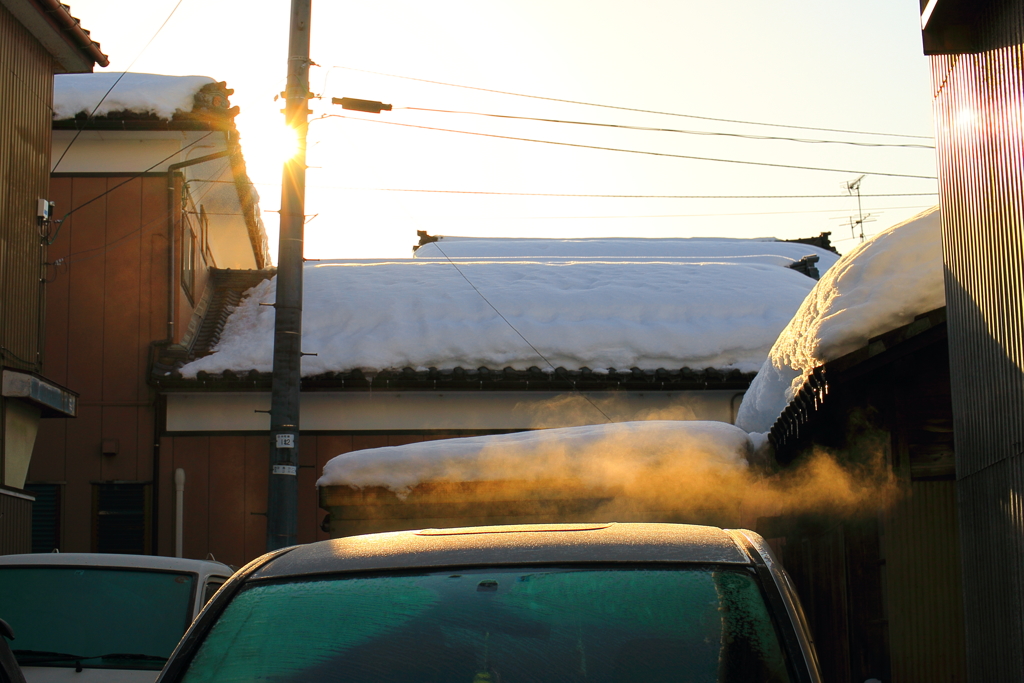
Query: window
<point>121,518</point>
<point>100,617</point>
<point>46,513</point>
<point>188,257</point>
<point>212,586</point>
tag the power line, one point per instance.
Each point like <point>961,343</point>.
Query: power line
<point>642,111</point>
<point>50,240</point>
<point>634,151</point>
<point>673,130</point>
<point>625,197</point>
<point>678,215</point>
<point>111,89</point>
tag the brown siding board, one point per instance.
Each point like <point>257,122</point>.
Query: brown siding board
<point>307,521</point>
<point>121,343</point>
<point>192,454</point>
<point>55,355</point>
<point>83,466</point>
<point>227,499</point>
<point>152,272</point>
<point>85,303</point>
<point>146,422</point>
<point>165,503</point>
<point>362,441</point>
<point>120,423</point>
<point>257,465</point>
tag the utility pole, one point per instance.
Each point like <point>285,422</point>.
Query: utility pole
<point>283,489</point>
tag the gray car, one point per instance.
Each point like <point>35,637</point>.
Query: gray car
<point>571,602</point>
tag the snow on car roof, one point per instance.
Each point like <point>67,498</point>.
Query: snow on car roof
<point>601,456</point>
<point>882,284</point>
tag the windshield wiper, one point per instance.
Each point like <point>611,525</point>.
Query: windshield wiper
<point>44,657</point>
<point>125,655</point>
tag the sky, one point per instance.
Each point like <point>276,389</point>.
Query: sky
<point>372,183</point>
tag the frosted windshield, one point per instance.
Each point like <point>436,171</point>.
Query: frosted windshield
<point>491,626</point>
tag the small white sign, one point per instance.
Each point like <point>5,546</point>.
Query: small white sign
<point>284,469</point>
<point>286,441</point>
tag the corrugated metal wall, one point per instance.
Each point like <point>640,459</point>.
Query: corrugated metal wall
<point>979,131</point>
<point>924,592</point>
<point>15,522</point>
<point>26,90</point>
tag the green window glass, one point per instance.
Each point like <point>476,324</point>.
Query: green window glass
<point>498,626</point>
<point>100,618</point>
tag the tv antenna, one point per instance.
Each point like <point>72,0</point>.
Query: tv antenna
<point>853,188</point>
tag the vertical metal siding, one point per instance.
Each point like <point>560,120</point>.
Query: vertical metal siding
<point>15,523</point>
<point>26,93</point>
<point>924,594</point>
<point>979,130</point>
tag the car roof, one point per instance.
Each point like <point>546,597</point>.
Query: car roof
<point>511,545</point>
<point>114,561</point>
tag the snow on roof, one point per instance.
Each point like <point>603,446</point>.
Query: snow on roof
<point>883,284</point>
<point>601,456</point>
<point>690,249</point>
<point>139,93</point>
<point>377,315</point>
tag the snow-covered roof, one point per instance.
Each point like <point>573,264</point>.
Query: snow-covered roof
<point>881,285</point>
<point>598,314</point>
<point>612,456</point>
<point>768,251</point>
<point>134,92</point>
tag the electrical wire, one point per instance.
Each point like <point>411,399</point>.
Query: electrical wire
<point>635,151</point>
<point>111,89</point>
<point>673,130</point>
<point>642,111</point>
<point>60,224</point>
<point>621,197</point>
<point>137,232</point>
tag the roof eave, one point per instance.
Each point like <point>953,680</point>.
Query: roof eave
<point>59,33</point>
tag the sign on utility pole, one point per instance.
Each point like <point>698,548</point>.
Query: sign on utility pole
<point>282,496</point>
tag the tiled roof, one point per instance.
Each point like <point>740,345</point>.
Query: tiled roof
<point>71,28</point>
<point>228,286</point>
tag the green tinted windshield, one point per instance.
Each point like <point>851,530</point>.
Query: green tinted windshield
<point>499,626</point>
<point>101,617</point>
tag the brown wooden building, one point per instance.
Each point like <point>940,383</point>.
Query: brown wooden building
<point>883,590</point>
<point>38,38</point>
<point>153,205</point>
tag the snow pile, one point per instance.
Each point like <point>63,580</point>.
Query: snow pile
<point>599,456</point>
<point>139,93</point>
<point>767,251</point>
<point>377,315</point>
<point>881,285</point>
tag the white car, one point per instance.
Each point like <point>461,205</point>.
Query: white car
<point>87,617</point>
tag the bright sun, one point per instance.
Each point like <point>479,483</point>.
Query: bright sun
<point>267,146</point>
